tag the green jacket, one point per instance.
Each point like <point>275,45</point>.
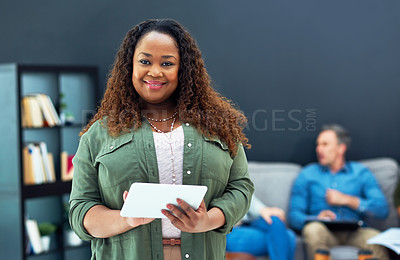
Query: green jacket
<point>105,166</point>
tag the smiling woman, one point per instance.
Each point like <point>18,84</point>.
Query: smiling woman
<point>160,121</point>
<point>155,69</point>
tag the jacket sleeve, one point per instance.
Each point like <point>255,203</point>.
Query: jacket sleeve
<point>373,203</point>
<point>85,190</point>
<point>236,199</point>
<point>298,203</point>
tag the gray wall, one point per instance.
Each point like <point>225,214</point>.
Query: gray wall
<point>290,65</point>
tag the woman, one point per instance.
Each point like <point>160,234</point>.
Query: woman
<point>160,121</point>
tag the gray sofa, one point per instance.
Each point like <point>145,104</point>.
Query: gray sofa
<point>273,182</point>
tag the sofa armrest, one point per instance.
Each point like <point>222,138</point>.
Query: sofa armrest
<point>386,172</point>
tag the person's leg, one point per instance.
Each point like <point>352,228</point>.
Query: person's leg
<point>246,239</point>
<point>292,242</point>
<point>317,236</point>
<point>359,239</point>
<point>278,241</point>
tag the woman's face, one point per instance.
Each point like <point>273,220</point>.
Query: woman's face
<point>155,67</point>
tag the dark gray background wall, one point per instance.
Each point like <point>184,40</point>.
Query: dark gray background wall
<point>290,65</point>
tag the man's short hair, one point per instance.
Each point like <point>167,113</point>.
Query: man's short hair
<point>342,134</point>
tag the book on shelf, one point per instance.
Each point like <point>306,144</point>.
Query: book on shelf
<point>38,111</point>
<point>32,230</point>
<point>38,164</point>
<point>31,112</point>
<point>67,168</point>
<point>389,238</point>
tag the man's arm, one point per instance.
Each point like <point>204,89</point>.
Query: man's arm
<point>374,203</point>
<point>337,198</point>
<point>298,203</point>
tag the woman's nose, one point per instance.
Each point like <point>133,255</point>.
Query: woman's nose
<point>155,71</point>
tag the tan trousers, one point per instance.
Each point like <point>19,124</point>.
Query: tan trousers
<point>172,252</point>
<point>318,236</point>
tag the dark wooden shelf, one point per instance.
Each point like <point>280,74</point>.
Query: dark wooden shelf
<point>85,244</point>
<point>46,189</point>
<point>74,125</point>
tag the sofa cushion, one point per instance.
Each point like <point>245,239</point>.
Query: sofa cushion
<point>386,171</point>
<point>273,182</point>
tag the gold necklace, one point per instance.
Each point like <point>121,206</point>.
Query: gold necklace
<point>162,119</point>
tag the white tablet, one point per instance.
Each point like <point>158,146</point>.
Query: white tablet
<point>146,200</point>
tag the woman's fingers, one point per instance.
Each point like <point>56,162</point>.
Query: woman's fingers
<point>124,195</point>
<point>178,213</point>
<point>187,209</point>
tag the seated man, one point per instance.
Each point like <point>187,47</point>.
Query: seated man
<point>263,232</point>
<point>336,190</point>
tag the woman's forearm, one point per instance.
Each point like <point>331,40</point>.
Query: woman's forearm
<point>102,222</point>
<point>217,218</point>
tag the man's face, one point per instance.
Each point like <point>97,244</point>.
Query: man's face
<point>328,149</point>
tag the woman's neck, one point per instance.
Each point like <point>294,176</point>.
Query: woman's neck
<point>159,111</point>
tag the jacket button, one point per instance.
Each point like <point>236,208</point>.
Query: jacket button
<point>187,124</point>
<point>190,144</point>
<point>111,147</point>
<point>188,172</point>
<point>187,256</point>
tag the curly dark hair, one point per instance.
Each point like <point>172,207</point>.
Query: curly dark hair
<point>197,102</point>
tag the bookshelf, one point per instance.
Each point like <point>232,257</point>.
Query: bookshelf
<point>78,86</point>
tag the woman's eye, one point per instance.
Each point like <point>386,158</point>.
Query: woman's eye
<point>146,62</point>
<point>167,63</point>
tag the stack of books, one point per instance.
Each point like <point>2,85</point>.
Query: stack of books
<point>38,164</point>
<point>67,168</point>
<point>33,233</point>
<point>38,111</point>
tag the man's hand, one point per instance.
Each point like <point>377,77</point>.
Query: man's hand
<point>337,198</point>
<point>326,215</point>
<point>268,212</point>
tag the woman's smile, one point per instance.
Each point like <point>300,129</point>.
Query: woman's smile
<point>154,85</point>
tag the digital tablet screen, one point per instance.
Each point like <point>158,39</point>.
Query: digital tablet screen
<point>146,200</point>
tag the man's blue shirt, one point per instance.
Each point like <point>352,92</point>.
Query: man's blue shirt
<point>308,193</point>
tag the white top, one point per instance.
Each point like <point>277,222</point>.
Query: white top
<point>163,144</point>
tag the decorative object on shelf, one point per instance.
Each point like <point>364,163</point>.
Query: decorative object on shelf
<point>67,118</point>
<point>46,229</point>
<point>70,238</point>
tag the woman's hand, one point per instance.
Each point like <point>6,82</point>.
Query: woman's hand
<point>135,222</point>
<point>267,212</point>
<point>188,220</point>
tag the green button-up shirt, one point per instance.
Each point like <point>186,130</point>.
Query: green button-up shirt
<point>105,166</point>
